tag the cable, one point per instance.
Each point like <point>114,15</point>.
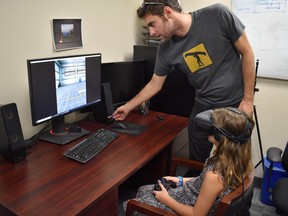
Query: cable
<point>32,140</point>
<point>242,179</point>
<point>270,170</point>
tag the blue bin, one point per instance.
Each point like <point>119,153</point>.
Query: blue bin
<point>267,187</point>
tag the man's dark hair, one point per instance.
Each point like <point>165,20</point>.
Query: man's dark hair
<point>155,7</point>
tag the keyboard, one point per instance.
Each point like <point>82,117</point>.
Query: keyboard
<point>91,146</point>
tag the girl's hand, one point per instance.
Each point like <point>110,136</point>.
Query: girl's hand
<point>162,195</point>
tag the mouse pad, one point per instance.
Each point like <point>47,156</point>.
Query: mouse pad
<point>132,128</point>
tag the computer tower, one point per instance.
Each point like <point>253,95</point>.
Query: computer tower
<point>105,108</point>
<point>12,144</point>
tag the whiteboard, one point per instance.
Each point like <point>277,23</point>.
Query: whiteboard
<point>266,23</point>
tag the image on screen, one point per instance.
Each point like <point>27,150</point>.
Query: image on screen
<point>70,84</point>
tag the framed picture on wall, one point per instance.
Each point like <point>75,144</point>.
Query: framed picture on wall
<point>67,34</point>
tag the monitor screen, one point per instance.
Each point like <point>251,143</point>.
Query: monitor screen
<point>126,79</point>
<point>62,85</point>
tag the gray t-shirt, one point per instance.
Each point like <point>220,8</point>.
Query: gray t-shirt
<point>207,56</point>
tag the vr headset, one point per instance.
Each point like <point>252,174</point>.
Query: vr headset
<point>204,120</point>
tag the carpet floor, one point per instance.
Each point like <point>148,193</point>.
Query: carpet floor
<point>260,209</point>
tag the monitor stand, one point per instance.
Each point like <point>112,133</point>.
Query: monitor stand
<point>62,133</point>
<point>64,138</point>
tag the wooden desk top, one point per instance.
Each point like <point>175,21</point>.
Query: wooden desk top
<point>47,182</point>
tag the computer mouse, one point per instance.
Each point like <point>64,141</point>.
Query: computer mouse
<point>160,117</point>
<point>119,125</point>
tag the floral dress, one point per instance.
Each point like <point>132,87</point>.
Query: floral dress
<point>186,194</point>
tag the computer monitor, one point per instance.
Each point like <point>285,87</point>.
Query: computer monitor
<point>126,79</point>
<point>62,85</point>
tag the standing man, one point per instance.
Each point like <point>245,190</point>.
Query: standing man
<point>211,47</point>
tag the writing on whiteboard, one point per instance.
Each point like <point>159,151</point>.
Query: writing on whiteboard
<point>266,24</point>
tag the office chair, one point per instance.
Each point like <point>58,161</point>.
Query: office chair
<point>232,204</point>
<point>280,189</point>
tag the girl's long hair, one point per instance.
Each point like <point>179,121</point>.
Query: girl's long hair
<point>232,159</point>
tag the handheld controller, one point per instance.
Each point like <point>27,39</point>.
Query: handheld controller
<point>167,184</point>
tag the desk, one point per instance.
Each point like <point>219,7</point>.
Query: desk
<point>47,183</point>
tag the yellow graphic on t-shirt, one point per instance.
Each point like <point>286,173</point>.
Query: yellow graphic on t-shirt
<point>197,58</point>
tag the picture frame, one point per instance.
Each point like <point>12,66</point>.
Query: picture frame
<point>67,34</point>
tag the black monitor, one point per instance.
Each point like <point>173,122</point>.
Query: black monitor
<point>126,79</point>
<point>62,85</point>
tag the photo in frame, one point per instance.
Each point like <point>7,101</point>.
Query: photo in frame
<point>67,34</point>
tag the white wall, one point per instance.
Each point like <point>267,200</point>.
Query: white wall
<point>108,27</point>
<point>111,28</point>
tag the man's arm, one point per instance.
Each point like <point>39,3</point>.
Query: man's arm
<point>152,88</point>
<point>248,70</point>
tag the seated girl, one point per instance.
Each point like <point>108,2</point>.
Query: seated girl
<point>224,171</point>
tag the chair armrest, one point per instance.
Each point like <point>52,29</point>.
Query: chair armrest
<point>196,165</point>
<point>136,206</point>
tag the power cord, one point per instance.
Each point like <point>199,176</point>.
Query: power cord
<point>33,140</point>
<point>242,178</point>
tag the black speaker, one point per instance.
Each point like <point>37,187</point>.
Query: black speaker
<point>12,144</point>
<point>105,108</point>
